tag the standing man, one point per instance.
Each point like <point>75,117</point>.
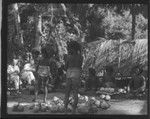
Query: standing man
<point>74,62</point>
<point>35,55</point>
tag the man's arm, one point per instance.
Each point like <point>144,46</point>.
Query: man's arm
<point>66,63</point>
<point>143,83</point>
<point>82,61</point>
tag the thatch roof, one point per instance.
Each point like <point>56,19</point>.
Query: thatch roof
<point>106,53</point>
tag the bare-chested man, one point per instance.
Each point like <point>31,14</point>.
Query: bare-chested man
<point>74,66</point>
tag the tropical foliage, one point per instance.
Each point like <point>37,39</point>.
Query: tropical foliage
<point>100,28</point>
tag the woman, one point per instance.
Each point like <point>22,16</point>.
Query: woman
<point>74,66</point>
<point>13,71</point>
<point>27,73</point>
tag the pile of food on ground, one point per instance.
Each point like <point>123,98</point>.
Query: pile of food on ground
<point>56,105</point>
<point>118,93</point>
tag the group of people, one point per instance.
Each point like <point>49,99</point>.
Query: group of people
<point>73,65</point>
<point>135,85</point>
<point>44,70</point>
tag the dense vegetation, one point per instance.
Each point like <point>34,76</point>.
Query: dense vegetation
<point>32,25</point>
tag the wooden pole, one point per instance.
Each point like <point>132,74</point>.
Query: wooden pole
<point>119,56</point>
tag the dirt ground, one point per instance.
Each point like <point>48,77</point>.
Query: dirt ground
<point>118,107</point>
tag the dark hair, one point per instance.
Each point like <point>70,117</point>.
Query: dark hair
<point>92,71</point>
<point>35,51</point>
<point>73,47</point>
<point>44,52</point>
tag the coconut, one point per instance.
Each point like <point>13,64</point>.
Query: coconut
<point>102,89</point>
<point>120,90</point>
<point>20,108</point>
<point>107,97</point>
<point>112,89</point>
<point>102,96</point>
<point>86,98</point>
<point>36,109</point>
<point>54,108</point>
<point>104,105</point>
<point>124,91</point>
<point>56,98</point>
<point>61,109</point>
<point>97,103</point>
<point>15,107</point>
<point>93,98</point>
<point>71,100</point>
<point>44,108</point>
<point>32,106</point>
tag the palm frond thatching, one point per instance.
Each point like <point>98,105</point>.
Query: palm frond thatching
<point>106,52</point>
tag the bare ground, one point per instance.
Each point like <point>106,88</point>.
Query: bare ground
<point>118,107</point>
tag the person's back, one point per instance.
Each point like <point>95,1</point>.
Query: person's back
<point>73,65</point>
<point>74,61</point>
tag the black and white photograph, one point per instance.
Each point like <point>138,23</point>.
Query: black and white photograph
<point>76,59</point>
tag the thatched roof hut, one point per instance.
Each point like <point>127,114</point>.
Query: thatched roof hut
<point>106,52</point>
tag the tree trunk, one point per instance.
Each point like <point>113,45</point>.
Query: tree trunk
<point>18,40</point>
<point>38,25</point>
<point>133,21</point>
<point>119,54</point>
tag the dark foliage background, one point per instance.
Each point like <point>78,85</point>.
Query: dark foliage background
<point>110,34</point>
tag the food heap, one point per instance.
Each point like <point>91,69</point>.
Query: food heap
<point>56,105</point>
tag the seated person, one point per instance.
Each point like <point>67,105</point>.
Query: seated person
<point>119,80</point>
<point>109,80</point>
<point>13,72</point>
<point>92,80</point>
<point>138,82</point>
<point>27,74</point>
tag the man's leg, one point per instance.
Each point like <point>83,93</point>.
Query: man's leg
<point>38,83</point>
<point>88,84</point>
<point>67,93</point>
<point>45,83</point>
<point>53,81</point>
<point>75,95</point>
<point>75,87</point>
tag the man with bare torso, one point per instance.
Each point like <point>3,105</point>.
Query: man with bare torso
<point>74,66</point>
